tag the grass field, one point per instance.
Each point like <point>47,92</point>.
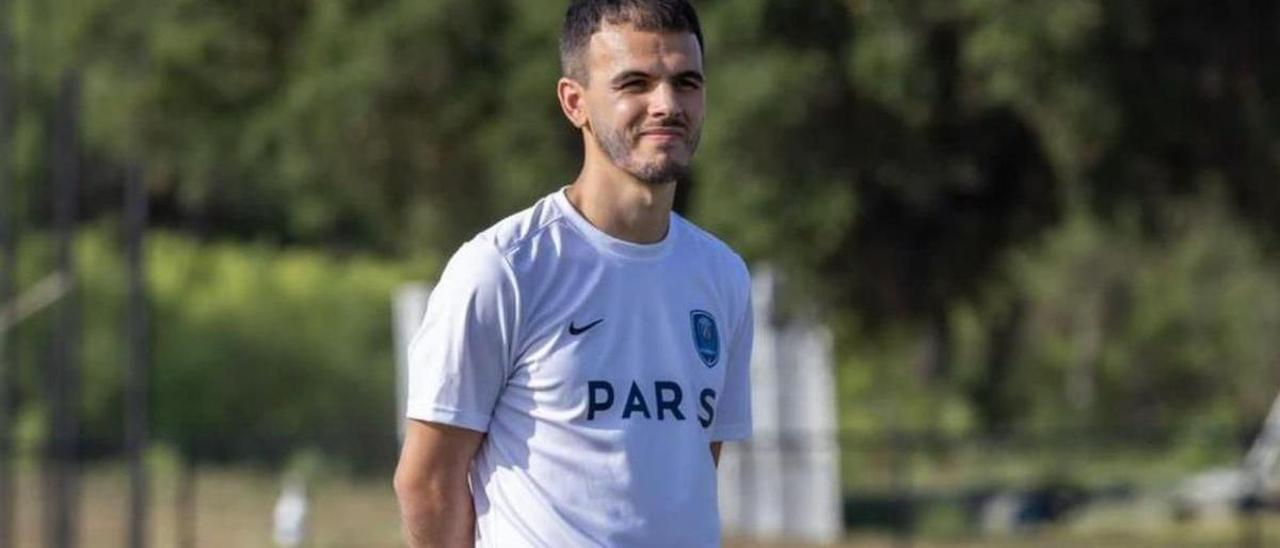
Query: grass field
<point>233,509</point>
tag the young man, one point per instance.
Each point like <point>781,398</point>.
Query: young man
<point>581,361</point>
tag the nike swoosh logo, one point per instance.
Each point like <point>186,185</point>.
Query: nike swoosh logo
<point>575,330</point>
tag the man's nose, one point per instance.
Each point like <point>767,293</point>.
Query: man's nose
<point>664,102</point>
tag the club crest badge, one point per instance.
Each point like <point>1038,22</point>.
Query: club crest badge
<point>706,338</point>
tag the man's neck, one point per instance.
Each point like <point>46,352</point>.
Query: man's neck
<point>621,205</point>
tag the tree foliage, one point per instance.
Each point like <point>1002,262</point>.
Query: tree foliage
<point>950,182</point>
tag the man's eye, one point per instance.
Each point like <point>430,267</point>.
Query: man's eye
<point>632,85</point>
<point>689,84</point>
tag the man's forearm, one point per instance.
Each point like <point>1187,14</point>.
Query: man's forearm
<point>437,518</point>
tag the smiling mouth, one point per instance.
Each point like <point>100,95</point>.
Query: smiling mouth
<point>663,135</point>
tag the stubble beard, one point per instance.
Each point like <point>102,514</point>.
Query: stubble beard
<point>619,148</point>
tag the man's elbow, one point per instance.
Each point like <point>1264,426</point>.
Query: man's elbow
<point>434,511</point>
<point>422,493</point>
<point>403,481</point>
<point>414,488</point>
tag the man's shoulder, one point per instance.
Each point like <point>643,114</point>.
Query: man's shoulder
<point>712,247</point>
<point>487,258</point>
<point>521,227</point>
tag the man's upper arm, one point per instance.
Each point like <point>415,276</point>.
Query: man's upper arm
<point>460,357</point>
<point>435,453</point>
<point>436,506</point>
<point>733,408</point>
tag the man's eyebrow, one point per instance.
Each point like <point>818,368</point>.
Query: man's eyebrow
<point>628,75</point>
<point>690,74</point>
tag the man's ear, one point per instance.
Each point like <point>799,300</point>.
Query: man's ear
<point>572,101</point>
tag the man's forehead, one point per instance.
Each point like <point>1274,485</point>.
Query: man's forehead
<point>616,45</point>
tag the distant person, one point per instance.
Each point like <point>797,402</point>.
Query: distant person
<point>289,519</point>
<point>582,360</point>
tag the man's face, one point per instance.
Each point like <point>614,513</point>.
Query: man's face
<point>645,100</point>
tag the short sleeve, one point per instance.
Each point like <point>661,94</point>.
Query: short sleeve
<point>733,410</point>
<point>460,357</point>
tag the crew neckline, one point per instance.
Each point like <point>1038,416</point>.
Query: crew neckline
<point>610,244</point>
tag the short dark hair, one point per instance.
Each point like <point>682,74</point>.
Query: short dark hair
<point>584,17</point>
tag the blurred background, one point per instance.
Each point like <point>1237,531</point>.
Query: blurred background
<point>1042,234</point>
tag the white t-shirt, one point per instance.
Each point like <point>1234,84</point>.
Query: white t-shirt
<point>601,371</point>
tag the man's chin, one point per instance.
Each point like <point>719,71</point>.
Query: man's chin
<point>661,175</point>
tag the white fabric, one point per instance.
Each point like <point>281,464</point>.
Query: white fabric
<point>595,438</point>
